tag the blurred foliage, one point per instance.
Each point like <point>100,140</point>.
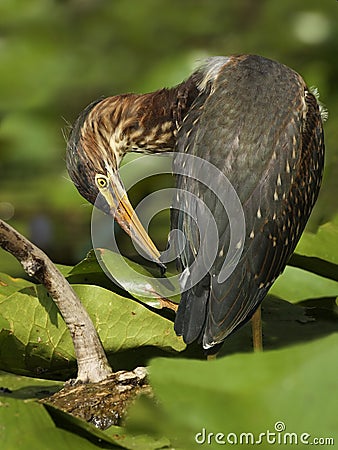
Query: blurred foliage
<point>56,56</point>
<point>238,403</point>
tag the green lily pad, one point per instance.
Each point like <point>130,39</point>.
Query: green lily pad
<point>323,244</point>
<point>296,284</point>
<point>315,265</point>
<point>34,339</point>
<point>64,269</point>
<point>26,423</point>
<point>8,284</point>
<point>87,266</point>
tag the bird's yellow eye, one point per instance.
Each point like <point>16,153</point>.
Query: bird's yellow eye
<point>101,181</point>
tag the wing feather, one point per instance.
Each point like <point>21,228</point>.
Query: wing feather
<point>258,124</point>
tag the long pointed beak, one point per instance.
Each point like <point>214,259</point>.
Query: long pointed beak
<point>123,212</point>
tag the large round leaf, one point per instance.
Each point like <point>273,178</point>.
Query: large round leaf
<point>34,338</point>
<point>291,390</point>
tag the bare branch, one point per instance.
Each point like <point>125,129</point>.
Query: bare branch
<point>92,363</point>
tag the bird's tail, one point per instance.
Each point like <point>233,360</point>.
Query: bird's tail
<point>191,313</point>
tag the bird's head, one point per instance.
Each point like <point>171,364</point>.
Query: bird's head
<point>104,132</point>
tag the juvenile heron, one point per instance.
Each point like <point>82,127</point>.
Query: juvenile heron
<point>258,123</point>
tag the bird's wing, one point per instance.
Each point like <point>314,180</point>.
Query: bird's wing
<point>256,122</point>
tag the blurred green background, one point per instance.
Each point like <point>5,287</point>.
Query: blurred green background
<point>58,56</point>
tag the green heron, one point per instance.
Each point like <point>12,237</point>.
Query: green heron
<point>257,122</point>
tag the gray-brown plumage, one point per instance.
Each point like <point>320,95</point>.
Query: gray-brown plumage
<point>258,123</point>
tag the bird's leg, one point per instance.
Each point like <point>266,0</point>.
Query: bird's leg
<point>257,336</point>
<point>256,324</point>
